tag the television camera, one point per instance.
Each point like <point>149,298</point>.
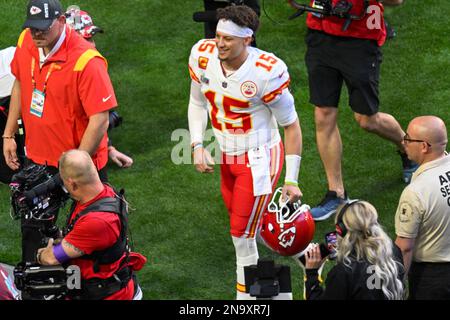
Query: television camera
<point>267,280</point>
<point>36,197</point>
<point>321,8</point>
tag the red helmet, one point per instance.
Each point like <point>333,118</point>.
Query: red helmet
<point>287,228</point>
<point>81,22</point>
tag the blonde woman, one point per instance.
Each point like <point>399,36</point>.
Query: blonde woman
<point>369,265</point>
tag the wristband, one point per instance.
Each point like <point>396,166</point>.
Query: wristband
<point>292,167</point>
<point>60,254</point>
<point>196,146</point>
<point>291,183</point>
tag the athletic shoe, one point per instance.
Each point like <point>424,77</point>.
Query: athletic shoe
<point>328,206</point>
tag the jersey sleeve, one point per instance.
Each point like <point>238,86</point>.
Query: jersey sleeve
<point>201,54</point>
<point>95,88</point>
<point>6,77</point>
<point>277,97</point>
<point>409,214</point>
<point>93,233</point>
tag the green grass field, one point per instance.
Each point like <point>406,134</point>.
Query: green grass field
<point>179,221</point>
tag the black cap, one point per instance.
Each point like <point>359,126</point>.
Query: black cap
<point>41,13</point>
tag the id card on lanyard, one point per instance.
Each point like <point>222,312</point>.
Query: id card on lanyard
<point>38,97</point>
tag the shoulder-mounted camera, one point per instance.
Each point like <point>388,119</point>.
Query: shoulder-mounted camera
<point>322,8</point>
<point>36,193</point>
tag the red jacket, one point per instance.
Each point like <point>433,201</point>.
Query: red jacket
<point>78,87</point>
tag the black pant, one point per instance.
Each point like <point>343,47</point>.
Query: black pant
<point>429,281</point>
<point>333,60</point>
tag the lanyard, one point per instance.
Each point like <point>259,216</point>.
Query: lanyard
<point>52,67</point>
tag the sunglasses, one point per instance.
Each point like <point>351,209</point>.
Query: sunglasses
<point>43,32</point>
<point>407,139</point>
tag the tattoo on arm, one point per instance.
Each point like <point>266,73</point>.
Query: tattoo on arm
<point>78,251</point>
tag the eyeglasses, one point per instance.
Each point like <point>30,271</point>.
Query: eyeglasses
<point>43,32</point>
<point>407,139</point>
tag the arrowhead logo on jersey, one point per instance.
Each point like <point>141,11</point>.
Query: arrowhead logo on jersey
<point>249,89</point>
<point>287,237</point>
<point>35,10</point>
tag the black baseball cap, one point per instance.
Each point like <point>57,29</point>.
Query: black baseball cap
<point>41,13</point>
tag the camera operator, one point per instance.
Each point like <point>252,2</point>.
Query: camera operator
<point>62,91</point>
<point>213,5</point>
<point>369,265</point>
<point>339,52</point>
<point>95,239</point>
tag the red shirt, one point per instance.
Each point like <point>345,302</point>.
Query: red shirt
<point>97,231</point>
<point>370,27</point>
<point>78,87</point>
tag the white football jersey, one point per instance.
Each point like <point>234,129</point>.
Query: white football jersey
<point>243,108</point>
<point>6,77</point>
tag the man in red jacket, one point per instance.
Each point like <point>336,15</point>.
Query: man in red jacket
<point>62,91</point>
<point>95,237</point>
<point>338,53</point>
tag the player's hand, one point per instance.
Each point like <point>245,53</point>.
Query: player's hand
<point>203,161</point>
<point>119,158</point>
<point>10,153</point>
<point>292,192</point>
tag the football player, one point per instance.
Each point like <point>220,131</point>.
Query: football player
<point>245,92</point>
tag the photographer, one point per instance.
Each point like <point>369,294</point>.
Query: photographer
<point>213,5</point>
<point>95,240</point>
<point>340,49</point>
<point>369,266</point>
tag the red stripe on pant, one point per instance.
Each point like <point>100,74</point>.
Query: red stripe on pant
<point>245,210</point>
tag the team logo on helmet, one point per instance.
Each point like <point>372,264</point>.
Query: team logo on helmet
<point>287,237</point>
<point>287,228</point>
<point>249,89</point>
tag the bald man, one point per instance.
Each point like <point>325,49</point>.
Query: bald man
<point>422,220</point>
<point>95,236</point>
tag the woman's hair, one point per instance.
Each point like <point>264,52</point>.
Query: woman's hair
<point>243,16</point>
<point>366,240</point>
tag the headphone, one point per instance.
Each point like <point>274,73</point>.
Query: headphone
<point>341,229</point>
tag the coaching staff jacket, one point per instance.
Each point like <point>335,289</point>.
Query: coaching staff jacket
<point>76,85</point>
